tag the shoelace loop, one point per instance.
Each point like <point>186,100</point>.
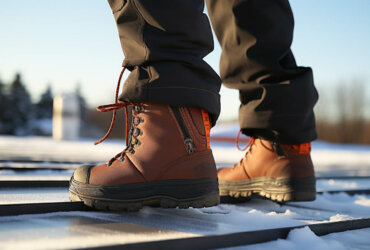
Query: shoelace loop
<point>115,107</point>
<point>250,143</point>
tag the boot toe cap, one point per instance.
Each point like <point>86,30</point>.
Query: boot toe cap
<point>82,174</point>
<point>222,171</point>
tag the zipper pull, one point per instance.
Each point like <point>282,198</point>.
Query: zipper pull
<point>187,138</point>
<point>278,150</point>
<point>190,145</point>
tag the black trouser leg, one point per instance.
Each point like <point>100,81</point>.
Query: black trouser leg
<point>164,42</point>
<point>277,96</point>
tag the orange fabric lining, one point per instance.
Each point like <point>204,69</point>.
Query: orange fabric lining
<point>303,148</point>
<point>207,127</point>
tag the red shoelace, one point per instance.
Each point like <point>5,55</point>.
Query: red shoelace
<point>114,107</point>
<point>250,143</point>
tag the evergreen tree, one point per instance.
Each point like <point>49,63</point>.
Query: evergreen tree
<point>2,90</point>
<point>20,106</point>
<point>3,102</point>
<point>44,108</point>
<point>6,125</point>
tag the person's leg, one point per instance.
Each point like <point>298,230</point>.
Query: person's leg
<point>167,161</point>
<point>164,43</point>
<point>277,96</point>
<point>277,99</point>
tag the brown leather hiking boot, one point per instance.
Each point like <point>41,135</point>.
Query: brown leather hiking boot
<point>279,172</point>
<point>167,162</point>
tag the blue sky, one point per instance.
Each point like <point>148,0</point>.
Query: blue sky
<point>63,43</point>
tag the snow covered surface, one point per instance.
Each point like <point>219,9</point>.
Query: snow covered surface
<point>32,195</point>
<point>82,229</point>
<point>75,230</point>
<point>305,239</point>
<point>36,175</point>
<point>347,184</point>
<point>329,159</point>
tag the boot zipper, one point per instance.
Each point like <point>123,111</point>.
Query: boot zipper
<point>279,151</point>
<point>187,139</point>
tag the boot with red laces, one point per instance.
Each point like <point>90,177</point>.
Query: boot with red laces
<point>280,172</point>
<point>167,162</point>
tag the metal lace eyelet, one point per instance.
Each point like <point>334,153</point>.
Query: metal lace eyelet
<point>136,121</point>
<point>136,132</point>
<point>121,158</point>
<point>137,108</point>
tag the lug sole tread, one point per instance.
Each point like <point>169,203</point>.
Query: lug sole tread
<point>209,200</point>
<point>271,189</point>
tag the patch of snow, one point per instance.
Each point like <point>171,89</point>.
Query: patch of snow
<point>287,212</point>
<point>355,239</point>
<point>363,201</point>
<point>332,184</point>
<point>302,238</point>
<point>340,217</point>
<point>341,203</point>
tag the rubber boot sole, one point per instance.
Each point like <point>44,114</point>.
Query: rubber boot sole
<point>132,197</point>
<point>276,189</point>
